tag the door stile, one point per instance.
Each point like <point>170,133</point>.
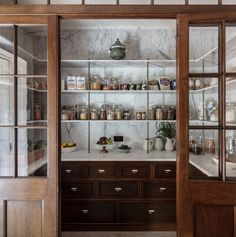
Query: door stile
<point>184,229</point>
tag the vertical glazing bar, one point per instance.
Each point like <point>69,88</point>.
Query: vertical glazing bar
<point>186,2</point>
<point>15,102</point>
<point>83,2</point>
<point>152,2</point>
<point>221,91</point>
<point>89,140</point>
<point>117,2</point>
<point>148,148</point>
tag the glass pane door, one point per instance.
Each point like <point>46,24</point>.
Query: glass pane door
<point>23,107</point>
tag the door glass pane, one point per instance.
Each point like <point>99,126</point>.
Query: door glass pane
<point>135,2</point>
<point>230,47</point>
<point>203,101</point>
<point>25,2</point>
<point>6,49</point>
<point>6,152</point>
<point>100,2</point>
<point>169,2</point>
<point>32,50</point>
<point>32,152</point>
<point>205,2</point>
<point>231,153</point>
<point>230,110</point>
<point>203,153</point>
<point>65,2</point>
<point>32,101</point>
<point>6,101</point>
<point>203,49</point>
<point>231,2</point>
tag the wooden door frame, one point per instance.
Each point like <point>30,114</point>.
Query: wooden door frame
<point>190,192</point>
<point>30,188</point>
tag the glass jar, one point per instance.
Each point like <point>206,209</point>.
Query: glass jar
<point>103,114</point>
<point>83,114</point>
<point>64,115</point>
<point>127,114</point>
<point>118,114</point>
<point>159,114</point>
<point>95,83</point>
<point>230,113</point>
<point>171,113</point>
<point>165,112</point>
<point>143,115</point>
<point>209,146</point>
<point>151,114</point>
<point>37,112</point>
<point>110,114</point>
<point>94,114</point>
<point>138,115</point>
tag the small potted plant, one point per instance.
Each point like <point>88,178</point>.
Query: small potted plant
<point>36,150</point>
<point>167,131</point>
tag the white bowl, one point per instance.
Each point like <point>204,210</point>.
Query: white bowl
<point>68,149</point>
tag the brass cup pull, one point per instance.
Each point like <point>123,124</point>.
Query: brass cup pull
<point>74,189</point>
<point>118,189</point>
<point>167,171</point>
<point>134,171</point>
<point>85,211</point>
<point>162,189</point>
<point>101,171</point>
<point>68,171</point>
<point>151,211</point>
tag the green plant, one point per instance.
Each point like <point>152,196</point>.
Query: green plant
<point>36,145</point>
<point>165,129</point>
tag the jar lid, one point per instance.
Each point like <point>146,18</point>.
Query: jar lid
<point>118,44</point>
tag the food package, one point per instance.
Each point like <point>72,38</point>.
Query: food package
<point>164,83</point>
<point>80,83</point>
<point>71,83</point>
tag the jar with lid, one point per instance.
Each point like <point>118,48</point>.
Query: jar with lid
<point>110,114</point>
<point>159,114</point>
<point>64,115</point>
<point>118,114</point>
<point>103,114</point>
<point>37,112</point>
<point>138,115</point>
<point>165,112</point>
<point>94,114</point>
<point>127,114</point>
<point>83,114</point>
<point>171,113</point>
<point>143,115</point>
<point>209,146</point>
<point>95,83</point>
<point>230,113</point>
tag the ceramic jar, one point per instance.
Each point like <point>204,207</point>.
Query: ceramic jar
<point>148,144</point>
<point>170,144</point>
<point>117,50</point>
<point>158,144</point>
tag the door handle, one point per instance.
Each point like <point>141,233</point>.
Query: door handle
<point>134,171</point>
<point>151,211</point>
<point>85,211</point>
<point>167,171</point>
<point>68,171</point>
<point>118,189</point>
<point>101,171</point>
<point>162,189</point>
<point>74,189</point>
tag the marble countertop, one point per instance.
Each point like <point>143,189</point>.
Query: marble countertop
<point>209,167</point>
<point>137,155</point>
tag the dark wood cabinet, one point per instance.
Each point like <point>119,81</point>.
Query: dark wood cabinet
<point>118,196</point>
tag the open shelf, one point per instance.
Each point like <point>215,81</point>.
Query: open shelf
<point>116,121</point>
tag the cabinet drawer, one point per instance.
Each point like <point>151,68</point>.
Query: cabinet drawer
<point>135,171</point>
<point>88,211</point>
<point>159,189</point>
<point>141,212</point>
<point>73,171</point>
<point>167,170</point>
<point>77,190</point>
<point>101,171</point>
<point>118,189</point>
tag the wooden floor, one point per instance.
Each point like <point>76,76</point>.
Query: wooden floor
<point>119,234</point>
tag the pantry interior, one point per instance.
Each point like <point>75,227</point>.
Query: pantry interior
<point>118,117</point>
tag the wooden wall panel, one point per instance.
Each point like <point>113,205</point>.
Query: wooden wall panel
<point>217,221</point>
<point>24,218</point>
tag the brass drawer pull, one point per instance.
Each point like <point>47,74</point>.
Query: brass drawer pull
<point>68,171</point>
<point>85,211</point>
<point>162,189</point>
<point>118,189</point>
<point>74,189</point>
<point>134,171</point>
<point>100,171</point>
<point>151,211</point>
<point>167,171</point>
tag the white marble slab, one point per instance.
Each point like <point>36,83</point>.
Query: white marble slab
<point>137,155</point>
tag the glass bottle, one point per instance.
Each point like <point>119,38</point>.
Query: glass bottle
<point>37,112</point>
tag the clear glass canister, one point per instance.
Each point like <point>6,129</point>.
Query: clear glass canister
<point>94,114</point>
<point>127,114</point>
<point>103,114</point>
<point>230,113</point>
<point>159,114</point>
<point>83,114</point>
<point>118,114</point>
<point>110,114</point>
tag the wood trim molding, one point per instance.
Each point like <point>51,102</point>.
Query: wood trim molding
<point>115,11</point>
